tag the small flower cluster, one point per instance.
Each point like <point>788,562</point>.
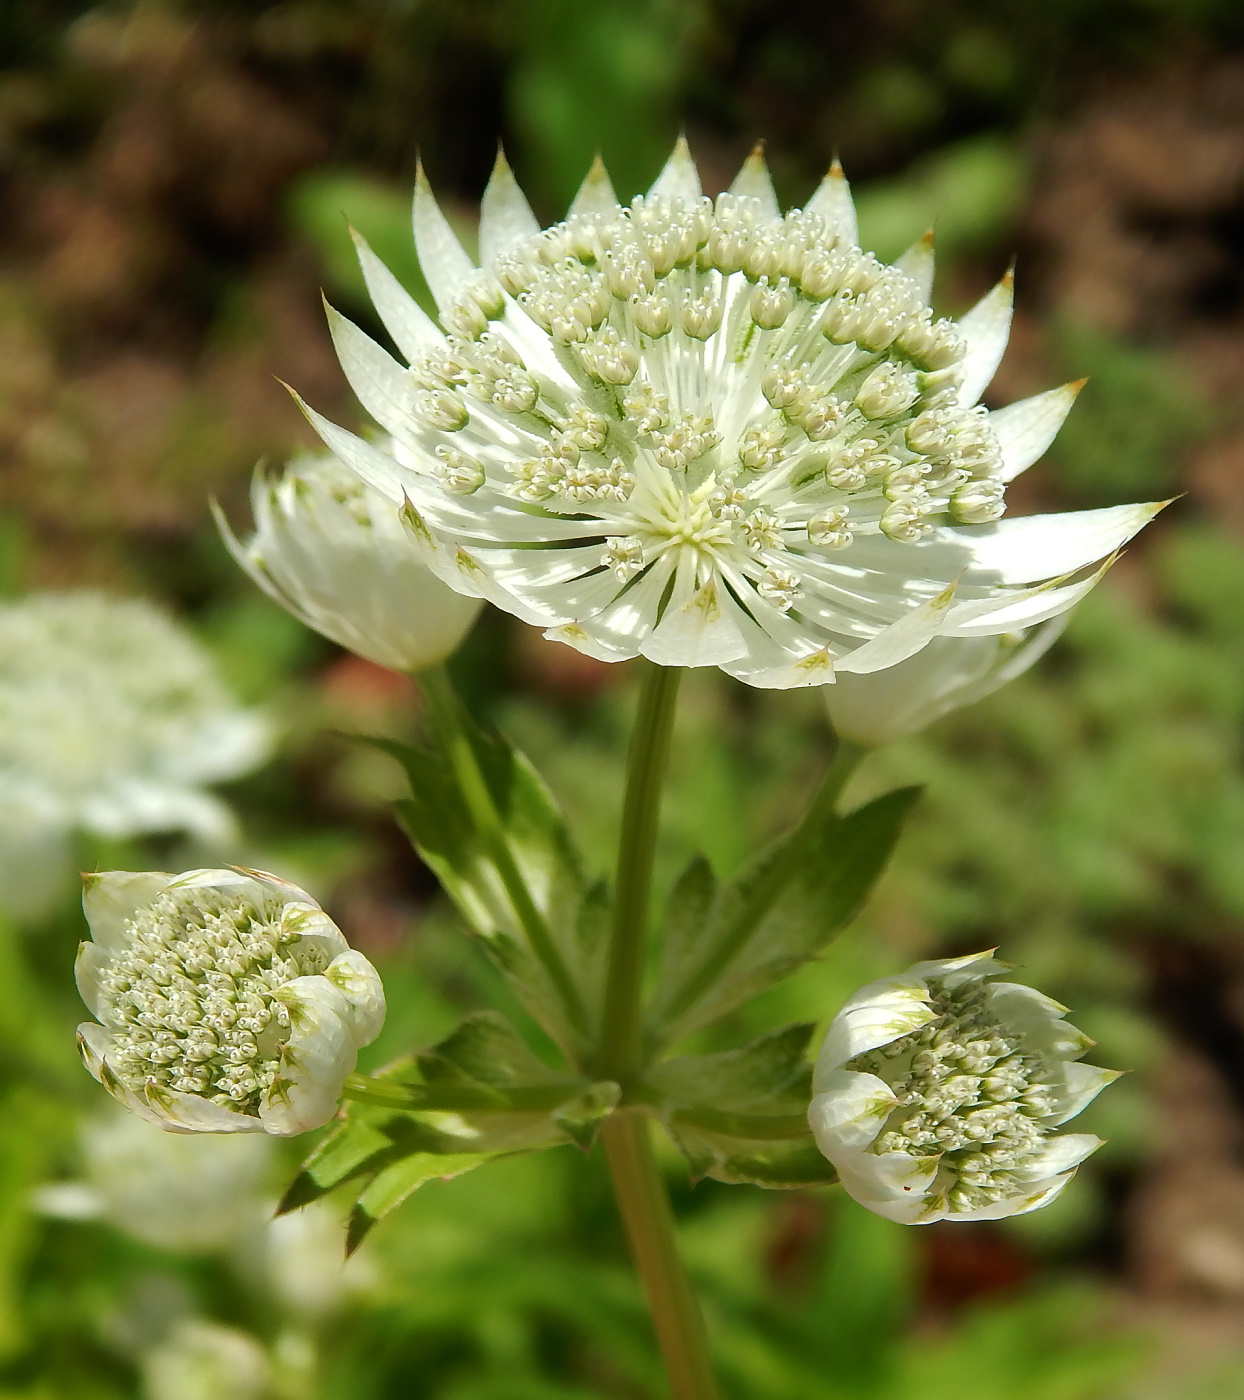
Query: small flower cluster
<point>937,1093</point>
<point>229,1001</point>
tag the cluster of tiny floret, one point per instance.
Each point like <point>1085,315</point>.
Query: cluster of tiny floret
<point>191,1000</point>
<point>668,314</point>
<point>969,1091</point>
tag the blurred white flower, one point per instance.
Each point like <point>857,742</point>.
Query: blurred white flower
<point>946,675</point>
<point>709,434</point>
<point>229,1001</point>
<point>112,718</point>
<point>306,1265</point>
<point>937,1093</point>
<point>187,1194</point>
<point>203,1361</point>
<point>336,554</point>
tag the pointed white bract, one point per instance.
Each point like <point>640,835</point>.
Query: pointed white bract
<point>335,553</point>
<point>937,1094</point>
<point>227,1001</point>
<point>113,720</point>
<point>948,674</point>
<point>712,435</point>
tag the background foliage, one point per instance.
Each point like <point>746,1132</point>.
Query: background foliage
<point>176,181</point>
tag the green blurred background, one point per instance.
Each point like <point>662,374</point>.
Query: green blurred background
<point>176,182</point>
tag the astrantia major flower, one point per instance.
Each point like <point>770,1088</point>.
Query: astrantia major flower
<point>336,554</point>
<point>112,720</point>
<point>937,1094</point>
<point>228,1000</point>
<point>709,433</point>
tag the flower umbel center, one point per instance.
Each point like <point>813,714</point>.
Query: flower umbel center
<point>191,998</point>
<point>970,1092</point>
<point>710,377</point>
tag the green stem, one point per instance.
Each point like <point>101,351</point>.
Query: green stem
<point>645,771</point>
<point>448,722</point>
<point>637,1182</point>
<point>649,1223</point>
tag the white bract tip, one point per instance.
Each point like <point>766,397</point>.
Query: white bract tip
<point>335,553</point>
<point>937,1094</point>
<point>227,1001</point>
<point>786,431</point>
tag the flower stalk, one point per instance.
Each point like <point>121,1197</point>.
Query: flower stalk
<point>645,772</point>
<point>637,1184</point>
<point>649,1221</point>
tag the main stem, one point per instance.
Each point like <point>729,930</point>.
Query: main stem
<point>645,1209</point>
<point>637,1182</point>
<point>641,811</point>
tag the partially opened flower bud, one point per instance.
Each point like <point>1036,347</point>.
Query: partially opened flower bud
<point>937,1094</point>
<point>948,674</point>
<point>336,554</point>
<point>229,1001</point>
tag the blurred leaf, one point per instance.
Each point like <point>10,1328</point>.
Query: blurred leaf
<point>602,77</point>
<point>325,205</point>
<point>1134,424</point>
<point>970,192</point>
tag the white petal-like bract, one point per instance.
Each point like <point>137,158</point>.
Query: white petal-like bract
<point>704,432</point>
<point>936,1094</point>
<point>227,1001</point>
<point>946,675</point>
<point>335,553</point>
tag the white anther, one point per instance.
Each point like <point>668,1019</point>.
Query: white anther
<point>886,391</point>
<point>771,304</point>
<point>624,555</point>
<point>979,502</point>
<point>458,472</point>
<point>779,587</point>
<point>829,530</point>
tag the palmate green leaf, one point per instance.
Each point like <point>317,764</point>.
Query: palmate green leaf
<point>725,943</point>
<point>548,937</point>
<point>740,1116</point>
<point>478,1095</point>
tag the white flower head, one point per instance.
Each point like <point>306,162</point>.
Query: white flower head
<point>711,434</point>
<point>228,1001</point>
<point>186,1194</point>
<point>112,720</point>
<point>937,1094</point>
<point>201,1360</point>
<point>336,554</point>
<point>946,675</point>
